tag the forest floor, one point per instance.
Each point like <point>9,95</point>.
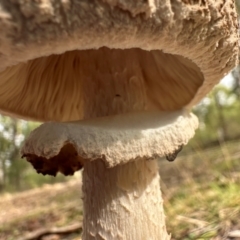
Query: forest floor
<point>201,196</point>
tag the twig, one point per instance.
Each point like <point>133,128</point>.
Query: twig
<point>234,234</point>
<point>194,221</point>
<point>38,234</point>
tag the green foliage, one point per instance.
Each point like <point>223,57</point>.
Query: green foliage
<point>202,200</point>
<point>219,117</point>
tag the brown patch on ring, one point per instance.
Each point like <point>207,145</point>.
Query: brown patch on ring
<point>67,162</point>
<point>172,156</point>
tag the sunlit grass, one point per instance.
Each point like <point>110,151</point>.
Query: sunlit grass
<point>191,214</point>
<point>203,202</point>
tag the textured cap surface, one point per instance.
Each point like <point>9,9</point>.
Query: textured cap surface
<point>117,140</point>
<point>87,79</point>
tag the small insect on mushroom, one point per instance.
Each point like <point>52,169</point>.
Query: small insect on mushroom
<point>172,156</point>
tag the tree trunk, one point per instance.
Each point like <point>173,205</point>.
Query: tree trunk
<point>222,126</point>
<point>123,202</point>
<point>15,178</point>
<point>4,175</point>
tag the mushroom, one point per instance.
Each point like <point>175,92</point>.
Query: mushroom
<point>114,80</point>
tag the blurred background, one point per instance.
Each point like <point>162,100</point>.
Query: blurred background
<point>201,188</point>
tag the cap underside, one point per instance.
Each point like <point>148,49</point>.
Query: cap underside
<point>94,83</point>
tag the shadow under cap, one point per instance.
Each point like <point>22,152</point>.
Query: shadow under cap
<point>172,53</point>
<point>65,147</point>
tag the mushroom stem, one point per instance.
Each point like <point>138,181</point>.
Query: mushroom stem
<point>123,202</point>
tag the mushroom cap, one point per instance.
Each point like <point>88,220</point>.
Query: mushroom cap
<point>73,60</point>
<point>65,147</point>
